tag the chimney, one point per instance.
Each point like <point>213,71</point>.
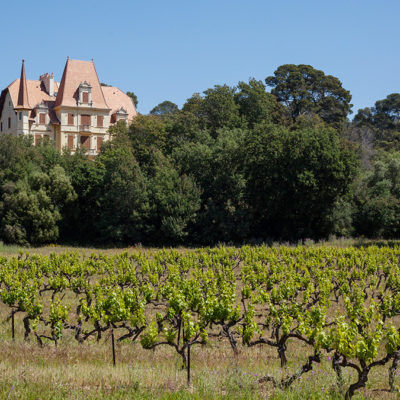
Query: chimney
<point>48,81</point>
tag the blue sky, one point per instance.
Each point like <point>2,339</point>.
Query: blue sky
<point>167,50</point>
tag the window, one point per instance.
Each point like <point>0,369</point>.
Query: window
<point>100,120</point>
<point>85,120</point>
<point>85,97</point>
<point>1,127</point>
<point>99,142</point>
<point>9,122</point>
<point>42,118</point>
<point>70,119</point>
<point>20,116</point>
<point>85,142</point>
<point>70,142</point>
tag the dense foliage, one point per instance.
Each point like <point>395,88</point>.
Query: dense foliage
<point>341,304</point>
<point>234,164</point>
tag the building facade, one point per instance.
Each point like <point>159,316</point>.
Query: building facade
<point>75,112</point>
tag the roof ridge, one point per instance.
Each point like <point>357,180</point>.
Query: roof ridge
<point>60,93</point>
<point>98,80</point>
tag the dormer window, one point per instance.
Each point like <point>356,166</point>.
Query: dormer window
<point>121,114</point>
<point>85,94</point>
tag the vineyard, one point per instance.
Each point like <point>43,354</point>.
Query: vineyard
<point>340,307</point>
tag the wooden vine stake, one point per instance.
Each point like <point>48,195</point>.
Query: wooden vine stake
<point>12,326</point>
<point>188,365</point>
<point>113,346</point>
<point>179,330</point>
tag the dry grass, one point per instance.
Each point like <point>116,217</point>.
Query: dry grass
<point>73,371</point>
<point>10,250</point>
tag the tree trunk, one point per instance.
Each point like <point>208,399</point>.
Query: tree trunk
<point>232,341</point>
<point>338,370</point>
<point>27,328</point>
<point>282,354</point>
<point>392,370</point>
<point>362,380</point>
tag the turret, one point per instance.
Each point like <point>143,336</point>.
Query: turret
<point>23,101</point>
<point>23,108</point>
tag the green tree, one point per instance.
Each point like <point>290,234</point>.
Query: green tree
<point>123,203</point>
<point>82,215</point>
<point>303,89</point>
<point>216,165</point>
<point>295,179</point>
<point>194,105</point>
<point>34,189</point>
<point>31,208</point>
<point>384,120</point>
<point>133,97</point>
<point>147,133</point>
<point>386,113</point>
<point>142,199</point>
<point>165,108</point>
<point>216,109</point>
<point>219,108</point>
<point>377,198</point>
<point>175,202</point>
<point>256,105</point>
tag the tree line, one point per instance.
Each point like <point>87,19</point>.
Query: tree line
<point>235,164</point>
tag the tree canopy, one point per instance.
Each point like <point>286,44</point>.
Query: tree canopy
<point>165,108</point>
<point>304,89</point>
<point>383,119</point>
<point>133,97</point>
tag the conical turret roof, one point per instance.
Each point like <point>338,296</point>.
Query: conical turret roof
<point>23,101</point>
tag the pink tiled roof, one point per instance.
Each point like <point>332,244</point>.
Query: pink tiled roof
<point>36,95</point>
<point>116,98</point>
<point>76,72</point>
<point>36,92</point>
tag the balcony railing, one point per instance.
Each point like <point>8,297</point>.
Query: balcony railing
<point>89,152</point>
<point>84,128</point>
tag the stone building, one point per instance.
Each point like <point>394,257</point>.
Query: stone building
<point>77,111</point>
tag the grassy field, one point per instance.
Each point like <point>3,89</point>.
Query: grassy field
<point>85,371</point>
<point>10,250</point>
<point>73,371</point>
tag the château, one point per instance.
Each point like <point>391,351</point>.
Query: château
<point>75,112</point>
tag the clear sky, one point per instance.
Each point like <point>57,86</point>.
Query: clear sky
<point>167,50</point>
